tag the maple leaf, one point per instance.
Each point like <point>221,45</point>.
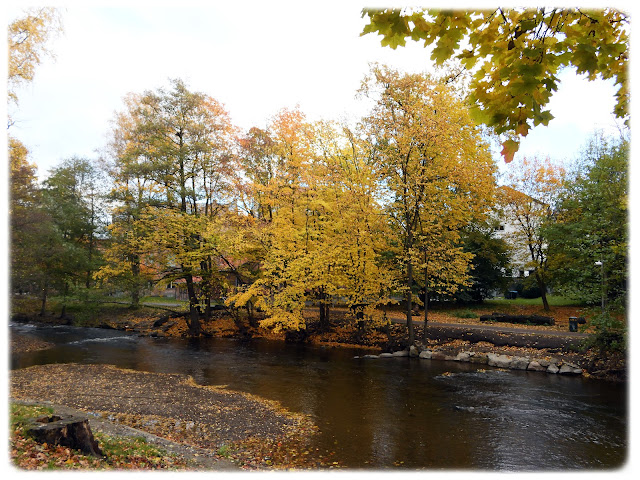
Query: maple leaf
<point>509,149</point>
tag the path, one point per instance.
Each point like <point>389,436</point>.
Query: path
<point>501,335</point>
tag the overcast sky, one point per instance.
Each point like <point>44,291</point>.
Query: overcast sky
<point>255,57</point>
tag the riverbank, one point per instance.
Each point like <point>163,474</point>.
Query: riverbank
<point>451,333</point>
<point>217,428</point>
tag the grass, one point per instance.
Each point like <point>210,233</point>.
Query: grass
<point>554,301</point>
<point>163,300</point>
<point>224,451</point>
<point>19,414</point>
<point>120,452</point>
<point>466,313</point>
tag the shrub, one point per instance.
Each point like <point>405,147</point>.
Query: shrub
<point>610,334</point>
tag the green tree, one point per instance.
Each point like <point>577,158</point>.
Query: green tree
<point>29,222</point>
<point>490,262</point>
<point>515,55</point>
<point>434,168</point>
<point>71,197</point>
<point>591,225</point>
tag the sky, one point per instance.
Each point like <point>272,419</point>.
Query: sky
<point>255,57</point>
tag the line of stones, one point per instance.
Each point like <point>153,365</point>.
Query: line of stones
<point>491,359</point>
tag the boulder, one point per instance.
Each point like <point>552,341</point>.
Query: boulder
<point>568,369</point>
<point>401,353</point>
<point>413,351</point>
<point>463,357</point>
<point>519,363</point>
<point>385,355</point>
<point>536,366</point>
<point>425,354</point>
<point>552,368</point>
<point>501,361</point>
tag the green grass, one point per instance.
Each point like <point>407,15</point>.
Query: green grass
<point>163,300</point>
<point>120,452</point>
<point>19,414</point>
<point>466,313</point>
<point>554,301</point>
<point>224,451</point>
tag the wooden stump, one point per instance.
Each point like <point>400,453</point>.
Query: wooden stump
<point>67,430</point>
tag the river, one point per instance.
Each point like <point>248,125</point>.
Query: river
<point>381,413</point>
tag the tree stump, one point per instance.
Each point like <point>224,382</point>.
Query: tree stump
<point>67,430</point>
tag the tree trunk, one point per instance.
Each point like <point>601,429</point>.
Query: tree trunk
<point>64,301</point>
<point>194,309</point>
<point>135,290</point>
<point>409,304</point>
<point>426,303</point>
<point>324,311</point>
<point>250,315</point>
<point>66,430</point>
<point>45,291</point>
<point>543,291</point>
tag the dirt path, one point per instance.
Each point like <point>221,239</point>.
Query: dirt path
<point>500,335</point>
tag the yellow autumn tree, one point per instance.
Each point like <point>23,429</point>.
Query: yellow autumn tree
<point>174,172</point>
<point>27,38</point>
<point>435,170</point>
<point>315,226</point>
<point>350,263</point>
<point>279,197</point>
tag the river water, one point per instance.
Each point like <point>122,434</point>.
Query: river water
<point>380,413</point>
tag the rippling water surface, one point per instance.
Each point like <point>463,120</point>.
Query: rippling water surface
<point>379,413</point>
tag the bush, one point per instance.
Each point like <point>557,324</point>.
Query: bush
<point>526,289</point>
<point>610,334</point>
<point>531,292</point>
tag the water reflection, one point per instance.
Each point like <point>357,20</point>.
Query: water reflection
<point>386,412</point>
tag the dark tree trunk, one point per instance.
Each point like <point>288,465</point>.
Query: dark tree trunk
<point>207,309</point>
<point>194,309</point>
<point>66,430</point>
<point>409,303</point>
<point>135,289</point>
<point>324,311</point>
<point>251,316</point>
<point>63,313</point>
<point>45,292</point>
<point>543,291</point>
<point>426,304</point>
